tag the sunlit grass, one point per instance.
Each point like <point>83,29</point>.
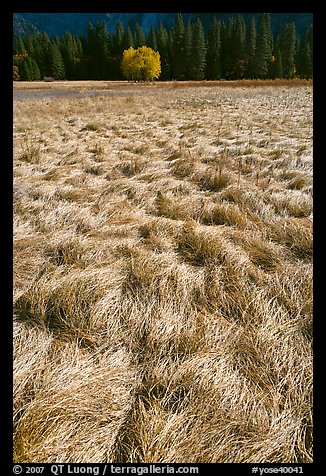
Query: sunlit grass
<point>163,273</point>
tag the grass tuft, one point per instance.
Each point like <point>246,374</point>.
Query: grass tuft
<point>213,180</point>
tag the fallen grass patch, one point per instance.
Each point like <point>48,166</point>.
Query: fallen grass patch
<point>224,214</point>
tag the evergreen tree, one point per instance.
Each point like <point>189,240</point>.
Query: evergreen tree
<point>187,39</point>
<point>229,48</point>
<point>19,47</point>
<point>269,35</point>
<point>30,43</point>
<point>102,50</point>
<point>118,39</point>
<point>263,47</point>
<point>251,48</point>
<point>305,59</point>
<point>162,38</point>
<point>128,40</point>
<point>288,50</point>
<point>67,50</point>
<point>24,71</point>
<point>177,48</point>
<point>80,63</point>
<point>42,54</point>
<point>223,48</point>
<point>139,37</point>
<point>98,39</point>
<point>35,74</point>
<point>151,39</point>
<point>198,52</point>
<point>239,46</point>
<point>90,51</point>
<point>118,42</point>
<point>57,69</point>
<point>213,56</point>
<point>276,69</point>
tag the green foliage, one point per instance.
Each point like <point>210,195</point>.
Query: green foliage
<point>304,61</point>
<point>213,58</point>
<point>162,38</point>
<point>177,48</point>
<point>263,48</point>
<point>277,65</point>
<point>250,52</point>
<point>198,52</point>
<point>16,76</point>
<point>288,50</point>
<point>34,69</point>
<point>19,47</point>
<point>128,40</point>
<point>57,68</point>
<point>24,71</point>
<point>139,38</point>
<point>151,39</point>
<point>118,39</point>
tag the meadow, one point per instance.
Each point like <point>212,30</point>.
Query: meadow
<point>163,273</point>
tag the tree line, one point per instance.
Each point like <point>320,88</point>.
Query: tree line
<point>231,49</point>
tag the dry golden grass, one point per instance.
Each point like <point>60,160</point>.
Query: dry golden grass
<point>163,272</point>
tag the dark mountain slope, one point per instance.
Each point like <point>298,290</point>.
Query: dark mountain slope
<point>57,23</point>
<point>23,27</point>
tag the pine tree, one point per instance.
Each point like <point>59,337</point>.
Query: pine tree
<point>187,39</point>
<point>80,64</point>
<point>239,45</point>
<point>223,48</point>
<point>24,72</point>
<point>118,39</point>
<point>35,74</point>
<point>42,54</point>
<point>128,40</point>
<point>67,51</point>
<point>162,38</point>
<point>198,52</point>
<point>102,50</point>
<point>251,48</point>
<point>213,55</point>
<point>263,47</point>
<point>139,37</point>
<point>30,43</point>
<point>229,48</point>
<point>57,69</point>
<point>19,46</point>
<point>269,36</point>
<point>177,48</point>
<point>276,69</point>
<point>89,50</point>
<point>288,49</point>
<point>305,59</point>
<point>151,40</point>
<point>97,51</point>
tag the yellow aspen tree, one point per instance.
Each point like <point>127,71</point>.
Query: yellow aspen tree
<point>141,64</point>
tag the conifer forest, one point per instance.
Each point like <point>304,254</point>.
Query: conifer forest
<point>230,49</point>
